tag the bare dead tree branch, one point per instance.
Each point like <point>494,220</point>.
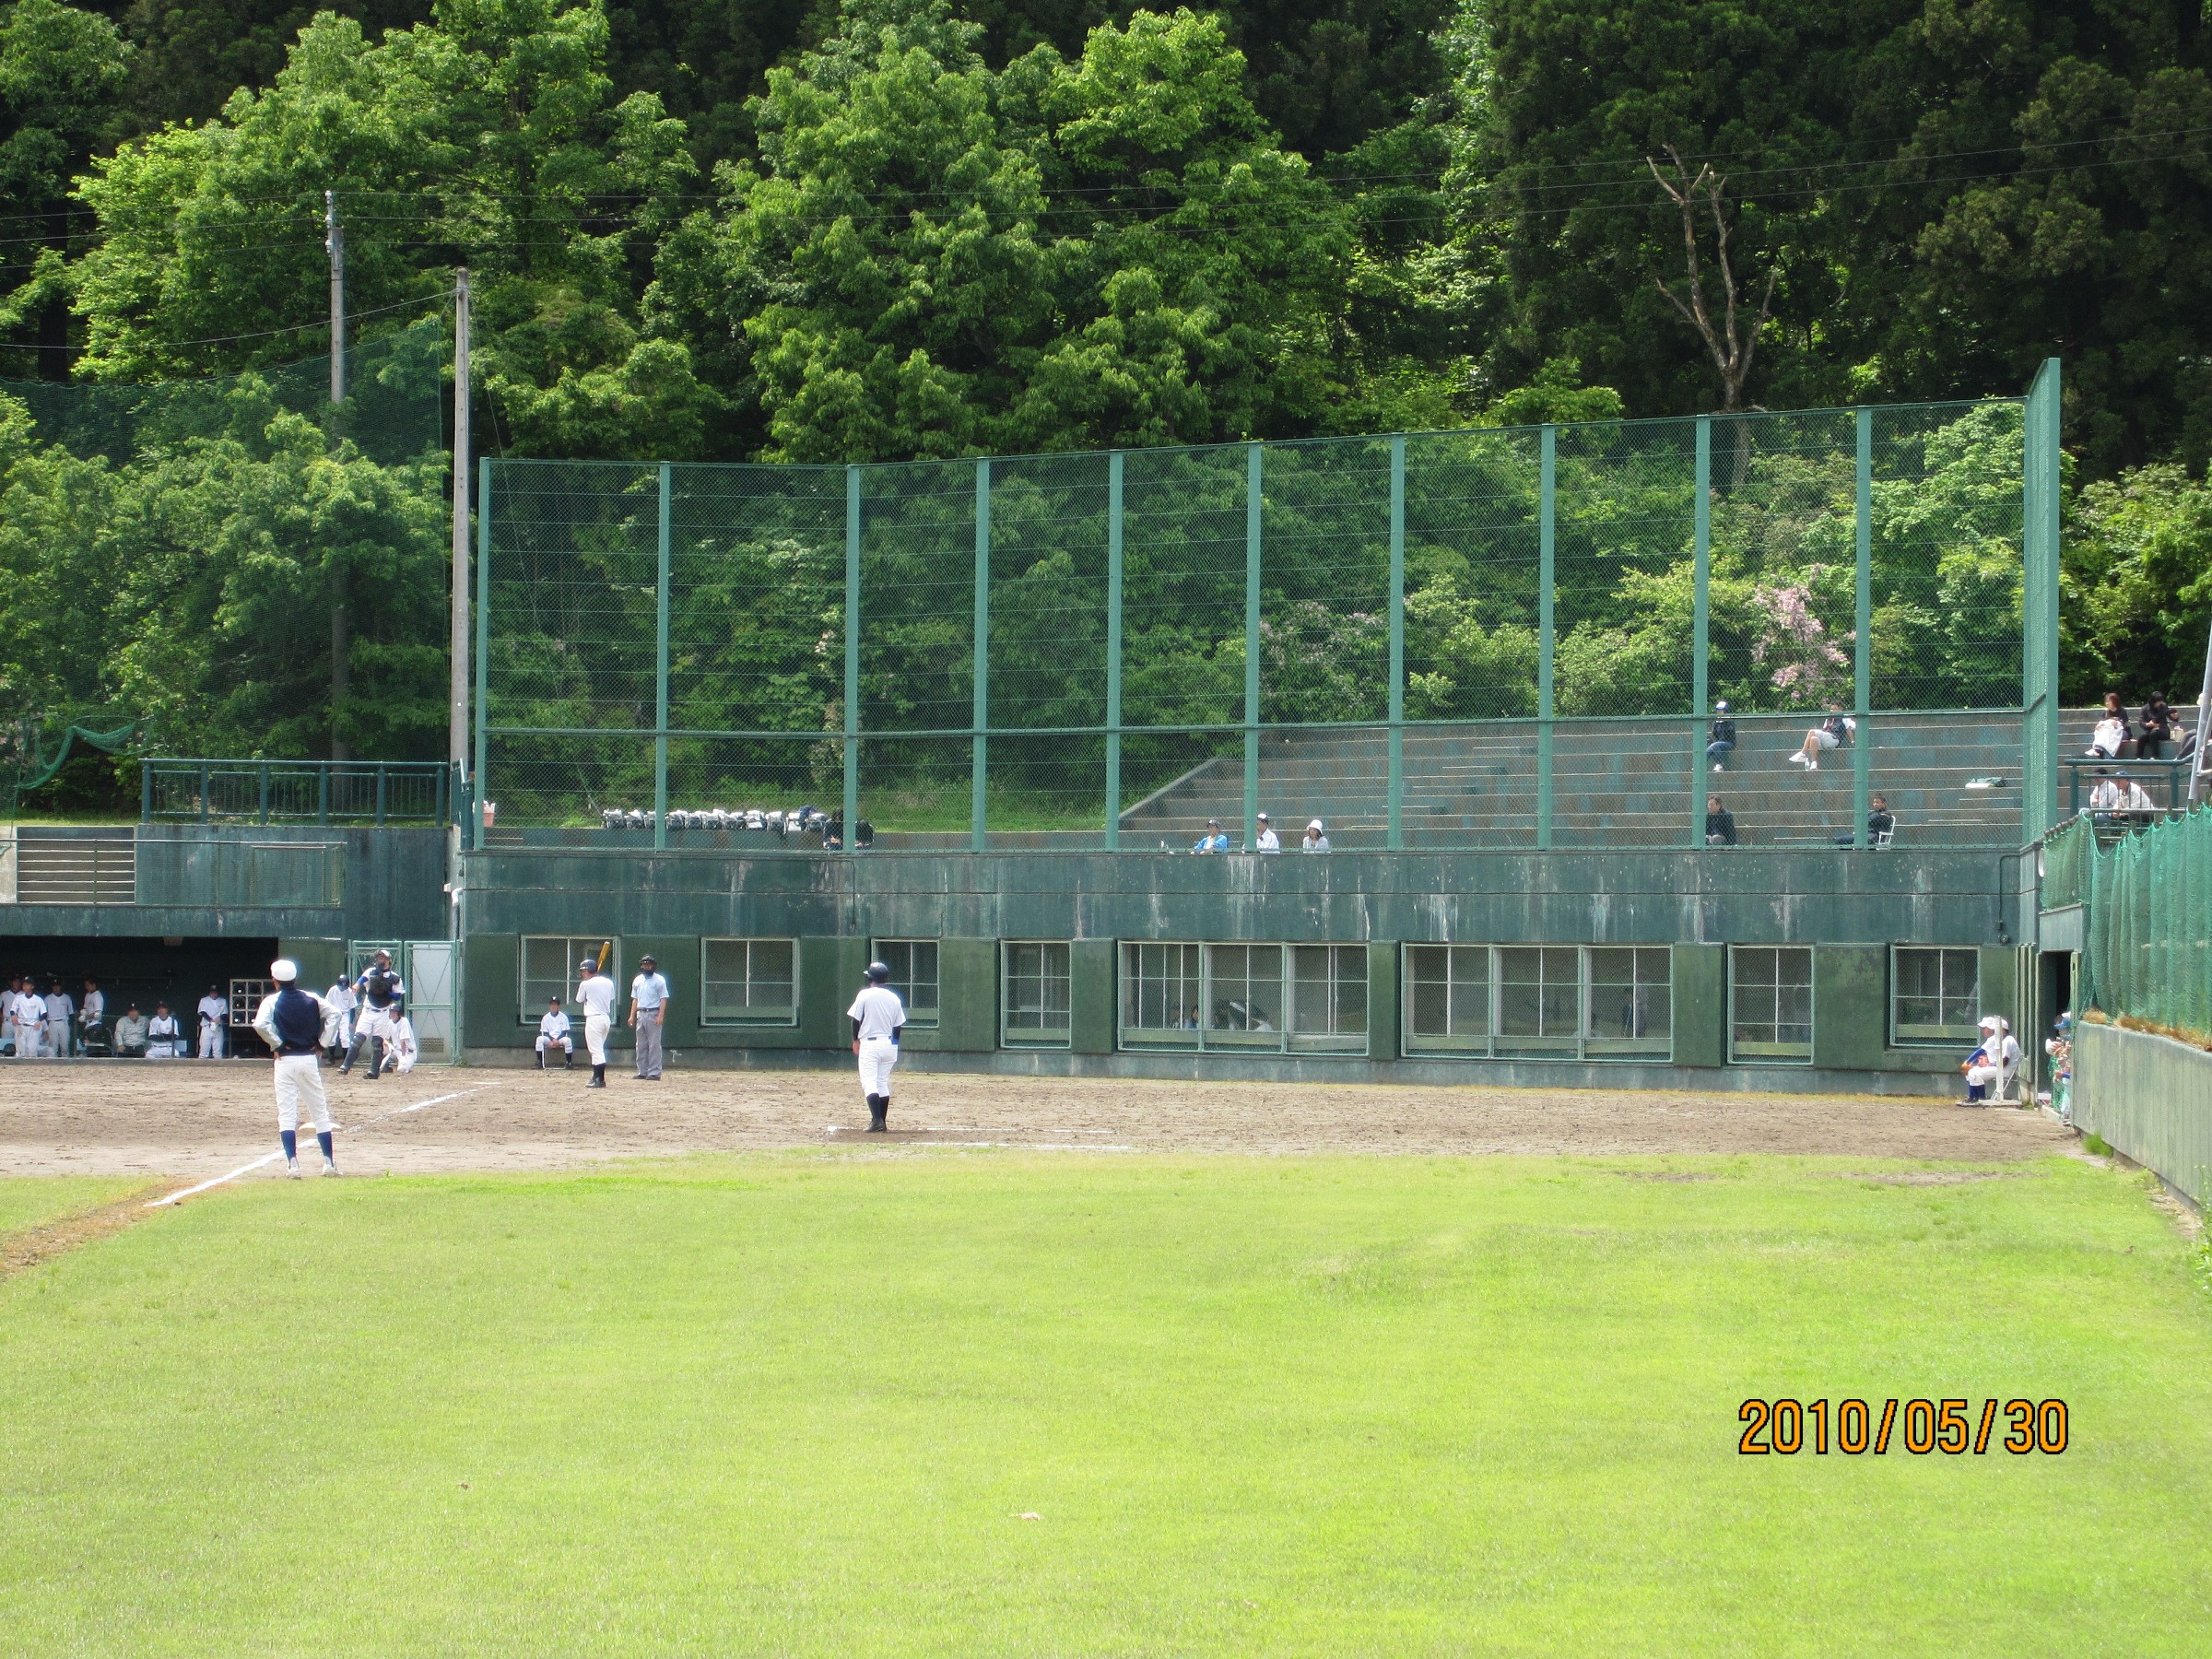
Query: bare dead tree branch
<point>1732,347</point>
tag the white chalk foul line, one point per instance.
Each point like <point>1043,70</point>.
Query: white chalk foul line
<point>248,1168</point>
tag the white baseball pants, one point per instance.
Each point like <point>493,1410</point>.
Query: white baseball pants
<point>300,1077</point>
<point>595,1027</point>
<point>211,1041</point>
<point>878,1056</point>
<point>567,1045</point>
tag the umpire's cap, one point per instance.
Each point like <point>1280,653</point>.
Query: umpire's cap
<point>879,972</point>
<point>283,970</point>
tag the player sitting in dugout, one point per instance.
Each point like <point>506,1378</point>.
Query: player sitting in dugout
<point>1990,1068</point>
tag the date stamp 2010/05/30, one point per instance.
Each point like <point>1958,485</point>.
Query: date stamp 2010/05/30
<point>1786,1427</point>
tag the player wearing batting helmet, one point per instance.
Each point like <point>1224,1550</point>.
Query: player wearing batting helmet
<point>878,1018</point>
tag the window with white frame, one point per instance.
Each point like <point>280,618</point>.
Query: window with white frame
<point>1328,998</point>
<point>749,982</point>
<point>1585,1002</point>
<point>1162,986</point>
<point>1034,1000</point>
<point>913,965</point>
<point>1935,994</point>
<point>549,969</point>
<point>1271,998</point>
<point>1771,1003</point>
<point>1448,999</point>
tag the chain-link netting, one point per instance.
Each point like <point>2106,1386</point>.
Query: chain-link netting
<point>391,411</point>
<point>1482,638</point>
<point>2149,925</point>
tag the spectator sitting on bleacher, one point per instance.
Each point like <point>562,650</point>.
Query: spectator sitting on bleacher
<point>1719,737</point>
<point>1268,842</point>
<point>1213,841</point>
<point>1720,823</point>
<point>129,1034</point>
<point>2118,795</point>
<point>1835,732</point>
<point>2156,730</point>
<point>1881,824</point>
<point>1317,838</point>
<point>2110,739</point>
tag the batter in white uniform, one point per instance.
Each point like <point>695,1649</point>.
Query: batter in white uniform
<point>878,1018</point>
<point>595,990</point>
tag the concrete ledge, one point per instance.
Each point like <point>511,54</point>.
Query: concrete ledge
<point>1315,1068</point>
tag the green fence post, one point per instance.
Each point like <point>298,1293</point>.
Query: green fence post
<point>206,806</point>
<point>146,791</point>
<point>980,762</point>
<point>1701,635</point>
<point>476,790</point>
<point>660,669</point>
<point>1862,645</point>
<point>1546,554</point>
<point>382,785</point>
<point>1396,787</point>
<point>322,793</point>
<point>1113,650</point>
<point>852,801</point>
<point>263,781</point>
<point>1251,646</point>
<point>2039,601</point>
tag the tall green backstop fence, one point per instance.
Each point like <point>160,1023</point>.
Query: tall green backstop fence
<point>2147,917</point>
<point>1497,637</point>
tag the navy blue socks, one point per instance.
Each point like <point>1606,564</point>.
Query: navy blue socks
<point>291,1143</point>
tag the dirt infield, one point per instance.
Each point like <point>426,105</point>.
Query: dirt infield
<point>197,1119</point>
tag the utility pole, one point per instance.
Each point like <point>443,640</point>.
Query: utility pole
<point>457,720</point>
<point>334,240</point>
<point>341,625</point>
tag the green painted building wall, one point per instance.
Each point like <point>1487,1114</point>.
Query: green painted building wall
<point>1849,907</point>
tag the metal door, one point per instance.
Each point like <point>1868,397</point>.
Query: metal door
<point>427,966</point>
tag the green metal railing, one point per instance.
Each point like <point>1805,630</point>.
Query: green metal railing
<point>296,792</point>
<point>1034,644</point>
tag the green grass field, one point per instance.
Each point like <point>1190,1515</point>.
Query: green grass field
<point>798,1403</point>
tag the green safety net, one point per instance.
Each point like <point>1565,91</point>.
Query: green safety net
<point>391,411</point>
<point>1489,638</point>
<point>34,768</point>
<point>2147,933</point>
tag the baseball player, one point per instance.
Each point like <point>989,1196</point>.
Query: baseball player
<point>164,1036</point>
<point>1991,1066</point>
<point>384,996</point>
<point>30,1021</point>
<point>553,1033</point>
<point>340,997</point>
<point>878,1018</point>
<point>595,990</point>
<point>648,1013</point>
<point>295,1023</point>
<point>214,1014</point>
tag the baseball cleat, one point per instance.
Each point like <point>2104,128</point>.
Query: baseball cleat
<point>330,1166</point>
<point>291,1168</point>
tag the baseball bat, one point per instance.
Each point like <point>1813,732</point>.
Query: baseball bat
<point>606,953</point>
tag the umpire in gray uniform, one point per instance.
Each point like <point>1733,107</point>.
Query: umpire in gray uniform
<point>648,1011</point>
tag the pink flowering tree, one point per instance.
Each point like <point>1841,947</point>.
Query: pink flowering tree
<point>1793,646</point>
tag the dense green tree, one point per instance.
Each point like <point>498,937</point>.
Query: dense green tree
<point>61,71</point>
<point>491,138</point>
<point>936,259</point>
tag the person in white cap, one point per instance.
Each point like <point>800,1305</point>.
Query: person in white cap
<point>595,990</point>
<point>1317,838</point>
<point>1989,1069</point>
<point>1267,841</point>
<point>296,1025</point>
<point>878,1018</point>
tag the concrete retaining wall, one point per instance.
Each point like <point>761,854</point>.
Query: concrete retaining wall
<point>2151,1099</point>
